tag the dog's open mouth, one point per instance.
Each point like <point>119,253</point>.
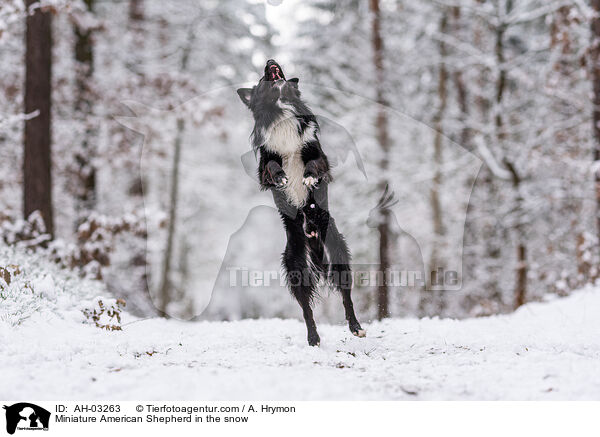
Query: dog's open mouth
<point>273,71</point>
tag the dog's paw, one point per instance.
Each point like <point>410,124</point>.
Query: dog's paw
<point>314,339</point>
<point>280,180</point>
<point>360,333</point>
<point>311,234</point>
<point>357,330</point>
<point>310,181</point>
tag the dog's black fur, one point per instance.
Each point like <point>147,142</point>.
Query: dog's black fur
<point>293,166</point>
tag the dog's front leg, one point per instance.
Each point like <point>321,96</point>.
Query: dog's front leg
<point>311,174</point>
<point>274,175</point>
<point>316,167</point>
<point>270,172</point>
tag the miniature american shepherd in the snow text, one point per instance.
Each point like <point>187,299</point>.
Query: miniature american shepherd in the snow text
<point>293,166</point>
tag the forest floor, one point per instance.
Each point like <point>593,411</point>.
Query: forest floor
<point>545,351</point>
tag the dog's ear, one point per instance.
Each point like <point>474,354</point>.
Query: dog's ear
<point>245,95</point>
<point>294,81</point>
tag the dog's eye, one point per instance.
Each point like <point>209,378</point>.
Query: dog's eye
<point>312,205</point>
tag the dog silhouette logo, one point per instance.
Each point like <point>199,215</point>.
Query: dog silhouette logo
<point>26,416</point>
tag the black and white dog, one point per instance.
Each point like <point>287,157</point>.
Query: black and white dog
<point>293,166</point>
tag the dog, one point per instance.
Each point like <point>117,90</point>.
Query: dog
<point>293,166</point>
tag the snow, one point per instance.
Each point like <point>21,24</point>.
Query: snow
<point>546,350</point>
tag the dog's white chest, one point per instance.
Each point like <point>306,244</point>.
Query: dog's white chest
<point>283,138</point>
<point>295,190</point>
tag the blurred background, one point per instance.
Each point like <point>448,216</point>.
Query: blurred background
<point>125,155</point>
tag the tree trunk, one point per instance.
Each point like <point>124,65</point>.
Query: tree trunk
<point>136,30</point>
<point>461,89</point>
<point>521,285</point>
<point>135,27</point>
<point>488,233</point>
<point>381,126</point>
<point>86,172</point>
<point>520,291</point>
<point>37,165</point>
<point>521,268</point>
<point>595,73</point>
<point>136,11</point>
<point>437,258</point>
<point>166,284</point>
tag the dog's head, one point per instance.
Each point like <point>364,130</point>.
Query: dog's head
<point>272,92</point>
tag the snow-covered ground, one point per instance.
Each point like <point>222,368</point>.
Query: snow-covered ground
<point>545,350</point>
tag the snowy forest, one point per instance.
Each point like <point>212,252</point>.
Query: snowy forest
<point>125,154</point>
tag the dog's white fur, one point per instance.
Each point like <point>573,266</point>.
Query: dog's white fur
<point>283,138</point>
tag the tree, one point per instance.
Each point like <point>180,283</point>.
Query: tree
<point>437,252</point>
<point>381,127</point>
<point>37,181</point>
<point>595,73</point>
<point>84,155</point>
<point>510,166</point>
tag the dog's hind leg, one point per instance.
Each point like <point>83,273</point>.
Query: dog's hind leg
<point>340,274</point>
<point>301,278</point>
<point>304,299</point>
